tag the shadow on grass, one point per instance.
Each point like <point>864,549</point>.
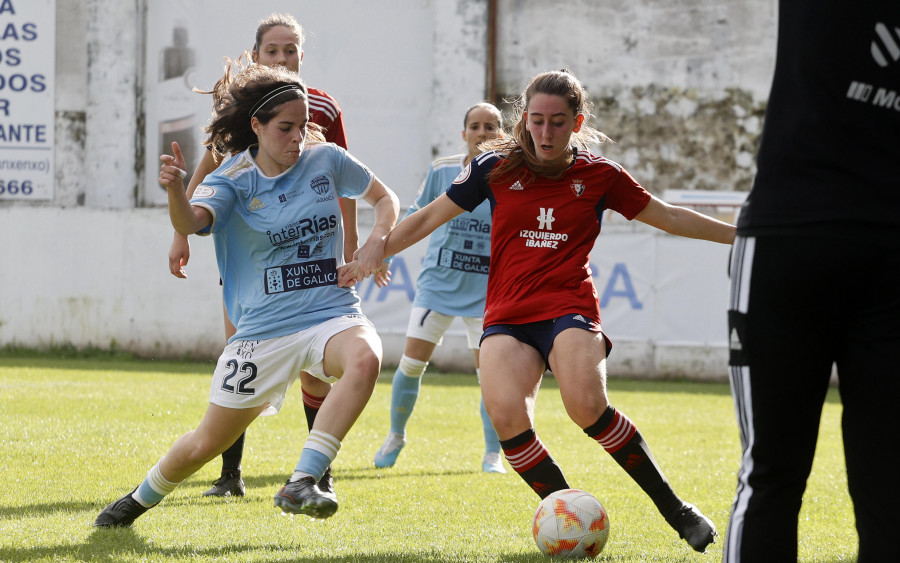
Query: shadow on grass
<point>9,512</point>
<point>113,545</point>
<point>117,544</point>
<point>274,481</point>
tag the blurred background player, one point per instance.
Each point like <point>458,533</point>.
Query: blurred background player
<point>279,42</point>
<point>452,283</point>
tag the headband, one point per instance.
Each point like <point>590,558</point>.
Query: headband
<point>268,97</point>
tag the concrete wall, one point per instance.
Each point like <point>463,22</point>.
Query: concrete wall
<point>680,85</point>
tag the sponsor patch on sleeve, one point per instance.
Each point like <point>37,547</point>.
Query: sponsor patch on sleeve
<point>204,191</point>
<point>464,175</point>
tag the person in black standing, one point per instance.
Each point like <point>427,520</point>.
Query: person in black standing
<point>815,272</point>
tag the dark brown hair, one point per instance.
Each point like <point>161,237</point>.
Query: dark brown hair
<point>238,92</point>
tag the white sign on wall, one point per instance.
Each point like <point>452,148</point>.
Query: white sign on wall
<point>27,67</point>
<point>175,113</point>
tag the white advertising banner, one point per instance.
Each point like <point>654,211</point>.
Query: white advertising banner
<point>27,69</point>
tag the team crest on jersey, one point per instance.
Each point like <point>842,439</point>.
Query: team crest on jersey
<point>204,191</point>
<point>319,184</point>
<point>577,187</point>
<point>464,175</point>
<point>256,205</point>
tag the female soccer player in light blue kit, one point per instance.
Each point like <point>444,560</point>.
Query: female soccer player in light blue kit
<point>273,209</point>
<point>452,283</point>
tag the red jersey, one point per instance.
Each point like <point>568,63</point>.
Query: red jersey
<point>543,233</point>
<point>325,112</point>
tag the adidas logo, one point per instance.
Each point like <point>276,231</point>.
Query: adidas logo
<point>539,487</point>
<point>256,205</point>
<point>580,318</point>
<point>735,340</point>
<point>634,460</point>
<point>517,186</point>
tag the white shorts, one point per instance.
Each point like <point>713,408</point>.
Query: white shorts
<point>430,326</point>
<point>251,373</point>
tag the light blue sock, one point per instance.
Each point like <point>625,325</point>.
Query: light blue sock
<point>311,463</point>
<point>405,391</point>
<point>154,488</point>
<point>491,440</point>
<point>319,451</point>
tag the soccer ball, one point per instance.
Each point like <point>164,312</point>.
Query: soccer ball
<point>570,523</point>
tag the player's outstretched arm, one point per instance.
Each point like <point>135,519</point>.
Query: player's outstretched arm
<point>186,219</point>
<point>685,222</point>
<point>420,224</point>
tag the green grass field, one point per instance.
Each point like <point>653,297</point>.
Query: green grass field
<point>78,433</point>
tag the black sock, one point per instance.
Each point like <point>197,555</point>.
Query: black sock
<point>311,413</point>
<point>231,458</point>
<point>622,440</point>
<point>531,460</point>
<point>311,406</point>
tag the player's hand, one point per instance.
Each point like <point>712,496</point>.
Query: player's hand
<point>348,274</point>
<point>179,254</point>
<point>370,257</point>
<point>171,171</point>
<point>383,276</point>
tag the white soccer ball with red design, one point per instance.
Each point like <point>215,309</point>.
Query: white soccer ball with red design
<point>570,523</point>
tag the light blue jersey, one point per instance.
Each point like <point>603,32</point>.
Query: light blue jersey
<point>453,280</point>
<point>279,240</point>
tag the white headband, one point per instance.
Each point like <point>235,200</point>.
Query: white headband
<point>268,97</point>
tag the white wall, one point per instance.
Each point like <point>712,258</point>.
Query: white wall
<point>680,85</point>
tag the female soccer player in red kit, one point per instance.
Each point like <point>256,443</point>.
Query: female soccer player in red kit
<point>547,195</point>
